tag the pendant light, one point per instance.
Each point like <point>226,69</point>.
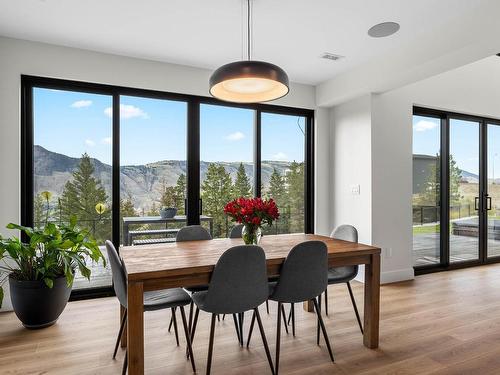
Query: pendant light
<point>249,81</point>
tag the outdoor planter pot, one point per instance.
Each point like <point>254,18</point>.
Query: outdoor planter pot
<point>35,304</point>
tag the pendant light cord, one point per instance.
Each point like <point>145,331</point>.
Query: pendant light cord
<point>248,29</point>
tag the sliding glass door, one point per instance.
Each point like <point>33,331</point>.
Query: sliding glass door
<point>464,190</point>
<point>456,203</point>
<point>493,191</point>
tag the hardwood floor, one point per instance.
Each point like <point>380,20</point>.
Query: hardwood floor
<point>443,323</point>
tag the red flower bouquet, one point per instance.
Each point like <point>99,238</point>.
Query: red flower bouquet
<point>252,213</point>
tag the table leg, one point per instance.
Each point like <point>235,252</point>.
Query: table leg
<point>123,342</point>
<point>372,302</point>
<point>135,328</point>
<point>308,306</point>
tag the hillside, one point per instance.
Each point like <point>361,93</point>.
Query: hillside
<point>142,182</point>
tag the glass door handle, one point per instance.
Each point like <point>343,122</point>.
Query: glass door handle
<point>488,203</point>
<point>476,203</point>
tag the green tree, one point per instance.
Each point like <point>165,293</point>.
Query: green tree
<point>127,208</point>
<point>180,194</point>
<point>278,191</point>
<point>80,196</point>
<point>39,210</point>
<point>154,210</point>
<point>295,184</point>
<point>217,190</point>
<point>242,187</point>
<point>430,195</point>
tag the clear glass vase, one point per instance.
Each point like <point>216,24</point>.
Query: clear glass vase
<point>251,234</point>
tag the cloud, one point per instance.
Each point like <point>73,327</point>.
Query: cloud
<point>81,104</point>
<point>237,136</point>
<point>279,156</point>
<point>127,111</point>
<point>424,125</point>
<point>90,142</point>
<point>107,140</point>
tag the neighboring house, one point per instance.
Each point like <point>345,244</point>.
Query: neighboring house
<point>422,166</point>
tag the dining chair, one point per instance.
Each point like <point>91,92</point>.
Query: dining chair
<point>303,277</point>
<point>236,231</point>
<point>339,275</point>
<point>153,300</point>
<point>238,284</point>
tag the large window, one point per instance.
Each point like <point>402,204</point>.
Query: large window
<point>156,161</point>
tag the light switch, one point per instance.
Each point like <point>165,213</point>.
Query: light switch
<point>355,189</point>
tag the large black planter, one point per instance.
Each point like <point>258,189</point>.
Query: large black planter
<point>35,304</point>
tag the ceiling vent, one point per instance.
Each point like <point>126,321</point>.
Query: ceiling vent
<point>331,56</point>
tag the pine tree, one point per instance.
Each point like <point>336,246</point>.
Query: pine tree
<point>295,184</point>
<point>242,187</point>
<point>278,191</point>
<point>39,210</point>
<point>127,208</point>
<point>430,196</point>
<point>180,194</point>
<point>217,190</point>
<point>80,196</point>
<point>153,211</point>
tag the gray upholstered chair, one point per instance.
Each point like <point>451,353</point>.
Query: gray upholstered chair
<point>340,275</point>
<point>236,231</point>
<point>155,300</point>
<point>238,284</point>
<point>193,233</point>
<point>303,277</point>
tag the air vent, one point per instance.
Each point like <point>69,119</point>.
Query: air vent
<point>331,56</point>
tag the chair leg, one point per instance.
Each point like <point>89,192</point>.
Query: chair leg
<point>193,328</point>
<point>191,306</point>
<point>188,339</point>
<point>318,324</point>
<point>267,306</point>
<point>323,329</point>
<point>175,327</point>
<point>236,326</point>
<point>218,318</point>
<point>326,301</point>
<point>263,335</point>
<point>284,318</point>
<point>171,320</point>
<point>289,316</point>
<point>292,310</point>
<point>211,345</point>
<point>120,333</point>
<point>251,329</point>
<point>241,319</point>
<point>278,339</point>
<point>355,307</point>
<point>125,363</point>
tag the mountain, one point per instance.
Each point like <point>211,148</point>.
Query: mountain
<point>142,182</point>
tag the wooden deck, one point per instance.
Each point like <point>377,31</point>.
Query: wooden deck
<point>426,248</point>
<point>444,323</point>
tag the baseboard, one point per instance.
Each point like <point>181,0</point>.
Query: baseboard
<point>397,275</point>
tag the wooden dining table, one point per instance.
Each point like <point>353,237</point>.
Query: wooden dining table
<point>184,264</point>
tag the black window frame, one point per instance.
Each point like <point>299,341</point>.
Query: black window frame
<point>445,117</point>
<point>29,82</point>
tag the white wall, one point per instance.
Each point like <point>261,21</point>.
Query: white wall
<point>472,89</point>
<point>22,57</point>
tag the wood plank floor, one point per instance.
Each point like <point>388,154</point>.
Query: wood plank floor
<point>444,323</point>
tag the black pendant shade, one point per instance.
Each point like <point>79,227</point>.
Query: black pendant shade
<point>249,82</point>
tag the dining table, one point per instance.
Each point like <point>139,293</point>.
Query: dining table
<point>190,263</point>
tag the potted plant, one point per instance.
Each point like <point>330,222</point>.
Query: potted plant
<point>41,270</point>
<point>252,213</point>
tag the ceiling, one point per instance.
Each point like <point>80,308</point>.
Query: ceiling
<point>209,33</point>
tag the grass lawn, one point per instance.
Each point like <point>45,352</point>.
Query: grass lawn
<point>425,229</point>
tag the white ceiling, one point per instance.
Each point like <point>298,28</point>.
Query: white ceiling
<point>208,33</point>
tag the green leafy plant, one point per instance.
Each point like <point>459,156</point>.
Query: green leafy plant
<point>54,251</point>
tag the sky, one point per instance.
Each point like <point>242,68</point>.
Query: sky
<point>151,130</point>
<point>464,143</point>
